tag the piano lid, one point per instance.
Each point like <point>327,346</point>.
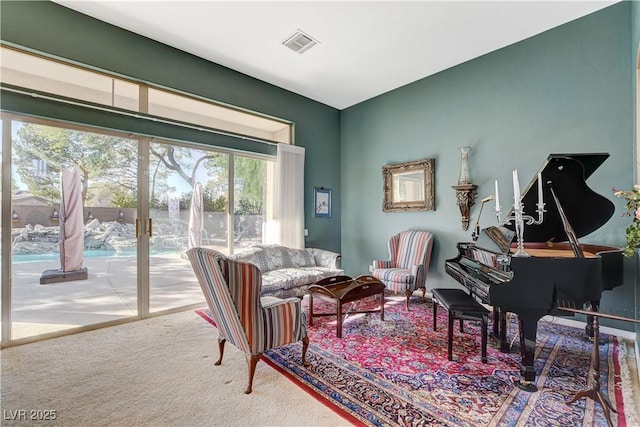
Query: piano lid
<point>585,210</point>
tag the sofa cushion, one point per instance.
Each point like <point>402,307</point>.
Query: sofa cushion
<point>275,257</point>
<point>283,279</point>
<point>301,258</point>
<point>254,255</point>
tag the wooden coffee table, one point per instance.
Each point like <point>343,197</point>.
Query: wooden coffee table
<point>342,290</point>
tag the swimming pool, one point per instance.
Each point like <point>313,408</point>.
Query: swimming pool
<point>55,256</point>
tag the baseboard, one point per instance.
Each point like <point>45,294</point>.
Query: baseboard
<point>637,362</point>
<point>630,335</point>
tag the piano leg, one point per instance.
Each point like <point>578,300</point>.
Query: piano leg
<point>499,329</point>
<point>528,330</point>
<point>502,337</point>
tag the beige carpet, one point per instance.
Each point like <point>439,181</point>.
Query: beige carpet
<point>155,372</point>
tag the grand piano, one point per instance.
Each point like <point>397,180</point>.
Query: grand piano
<point>560,271</point>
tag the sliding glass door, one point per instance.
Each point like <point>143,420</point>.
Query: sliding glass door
<point>73,240</point>
<point>188,196</point>
<point>136,205</point>
<point>199,197</point>
<point>251,186</point>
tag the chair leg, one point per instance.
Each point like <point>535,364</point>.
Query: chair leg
<point>305,346</point>
<point>221,342</point>
<point>485,321</point>
<point>450,337</point>
<point>435,313</point>
<point>424,293</point>
<point>253,361</point>
<point>408,293</point>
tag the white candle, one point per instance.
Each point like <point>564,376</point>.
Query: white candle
<point>540,201</point>
<point>516,191</point>
<point>497,198</point>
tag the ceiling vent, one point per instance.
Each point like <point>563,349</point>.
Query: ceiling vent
<point>300,42</point>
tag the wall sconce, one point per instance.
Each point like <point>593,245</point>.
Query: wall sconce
<point>55,217</point>
<point>466,195</point>
<point>14,216</point>
<point>120,216</point>
<point>466,192</point>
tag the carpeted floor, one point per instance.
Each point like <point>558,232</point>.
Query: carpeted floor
<point>396,373</point>
<point>154,372</point>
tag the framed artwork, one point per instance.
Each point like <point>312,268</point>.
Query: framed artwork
<point>322,202</point>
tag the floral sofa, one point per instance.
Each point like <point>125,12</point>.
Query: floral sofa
<point>287,272</point>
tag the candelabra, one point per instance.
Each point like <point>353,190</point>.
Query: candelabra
<point>520,219</point>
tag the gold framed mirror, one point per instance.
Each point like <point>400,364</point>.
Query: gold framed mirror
<point>409,186</point>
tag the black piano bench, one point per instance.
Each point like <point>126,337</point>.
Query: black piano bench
<point>462,306</point>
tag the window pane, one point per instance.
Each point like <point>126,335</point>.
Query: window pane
<point>52,77</point>
<point>183,217</point>
<point>250,186</point>
<point>189,110</point>
<point>106,245</point>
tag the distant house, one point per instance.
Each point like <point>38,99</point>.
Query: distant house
<point>24,198</point>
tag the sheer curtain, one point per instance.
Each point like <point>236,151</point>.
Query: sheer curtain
<point>287,226</point>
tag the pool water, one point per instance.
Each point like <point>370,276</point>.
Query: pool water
<point>55,256</point>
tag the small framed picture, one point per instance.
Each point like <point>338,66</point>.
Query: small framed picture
<point>322,202</point>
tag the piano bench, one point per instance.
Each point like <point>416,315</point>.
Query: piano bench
<point>460,305</point>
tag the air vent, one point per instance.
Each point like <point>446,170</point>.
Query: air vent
<point>300,42</point>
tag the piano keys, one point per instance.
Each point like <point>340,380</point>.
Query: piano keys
<point>531,287</point>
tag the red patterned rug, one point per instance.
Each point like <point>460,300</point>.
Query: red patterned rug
<point>396,372</point>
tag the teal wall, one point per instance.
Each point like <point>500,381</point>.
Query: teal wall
<point>565,90</point>
<point>635,65</point>
<point>60,32</point>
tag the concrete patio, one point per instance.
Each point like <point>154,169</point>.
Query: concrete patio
<point>109,293</point>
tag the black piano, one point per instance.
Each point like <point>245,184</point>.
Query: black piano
<point>559,270</point>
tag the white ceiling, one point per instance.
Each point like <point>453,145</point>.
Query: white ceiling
<point>366,47</point>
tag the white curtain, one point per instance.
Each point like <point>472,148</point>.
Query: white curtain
<point>287,226</point>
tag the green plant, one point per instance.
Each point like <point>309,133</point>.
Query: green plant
<point>632,198</point>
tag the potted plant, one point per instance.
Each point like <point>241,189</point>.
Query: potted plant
<point>632,198</point>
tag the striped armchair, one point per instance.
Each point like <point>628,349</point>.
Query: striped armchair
<point>251,323</point>
<point>406,270</point>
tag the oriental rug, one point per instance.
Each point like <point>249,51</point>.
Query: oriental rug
<point>396,372</point>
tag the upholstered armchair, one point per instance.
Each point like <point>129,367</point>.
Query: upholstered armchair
<point>252,323</point>
<point>406,270</point>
